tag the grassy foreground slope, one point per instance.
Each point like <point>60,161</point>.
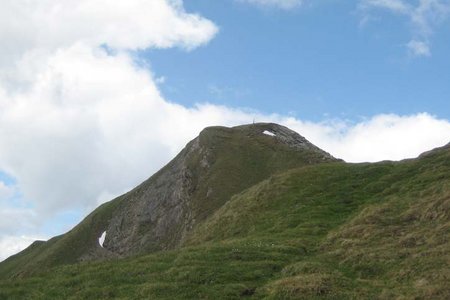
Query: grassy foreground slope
<point>328,231</point>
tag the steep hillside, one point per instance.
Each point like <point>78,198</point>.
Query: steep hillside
<point>325,231</point>
<point>159,213</point>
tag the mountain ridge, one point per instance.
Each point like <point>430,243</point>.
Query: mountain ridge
<point>160,212</point>
<point>289,225</point>
<point>319,231</point>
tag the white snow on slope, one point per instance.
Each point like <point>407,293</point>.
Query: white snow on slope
<point>269,133</point>
<point>101,239</point>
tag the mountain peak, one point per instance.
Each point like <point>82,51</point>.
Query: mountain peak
<point>161,212</point>
<point>281,133</point>
<point>277,133</point>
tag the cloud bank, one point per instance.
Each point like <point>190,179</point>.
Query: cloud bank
<point>82,120</point>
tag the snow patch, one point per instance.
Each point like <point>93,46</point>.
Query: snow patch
<point>269,133</point>
<point>101,239</point>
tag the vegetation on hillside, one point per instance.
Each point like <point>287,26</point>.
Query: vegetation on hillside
<point>208,171</point>
<point>326,231</point>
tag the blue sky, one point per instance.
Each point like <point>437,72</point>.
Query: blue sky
<point>310,61</point>
<point>94,99</point>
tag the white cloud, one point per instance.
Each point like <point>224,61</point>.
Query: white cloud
<point>33,30</point>
<point>283,4</point>
<point>10,217</point>
<point>382,137</point>
<point>397,6</point>
<point>6,191</point>
<point>423,16</point>
<point>418,48</point>
<point>130,24</point>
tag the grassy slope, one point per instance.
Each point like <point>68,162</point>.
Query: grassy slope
<point>327,231</point>
<point>239,158</point>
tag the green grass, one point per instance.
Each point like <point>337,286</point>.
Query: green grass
<point>328,231</point>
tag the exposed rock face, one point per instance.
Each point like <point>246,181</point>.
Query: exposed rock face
<point>156,214</point>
